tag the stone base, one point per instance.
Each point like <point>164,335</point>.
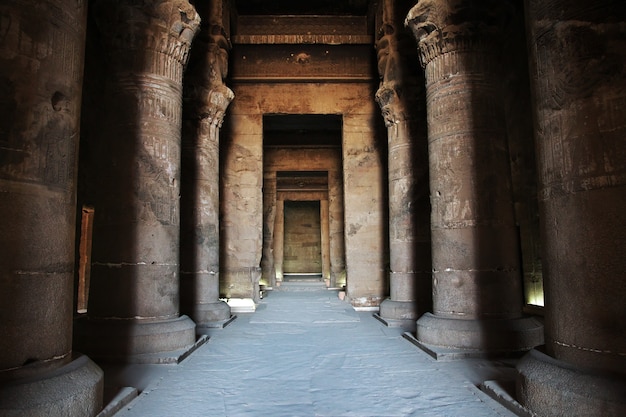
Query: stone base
<point>489,336</point>
<point>136,341</point>
<point>124,396</point>
<point>405,325</point>
<point>549,387</point>
<point>371,303</point>
<point>71,390</point>
<point>440,353</point>
<point>241,305</point>
<point>204,315</point>
<point>503,391</point>
<point>206,327</point>
<point>398,314</point>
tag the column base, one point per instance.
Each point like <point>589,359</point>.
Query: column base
<point>398,314</point>
<point>74,389</point>
<point>136,341</point>
<point>487,336</point>
<point>212,315</point>
<point>549,387</point>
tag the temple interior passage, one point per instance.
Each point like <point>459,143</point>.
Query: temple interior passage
<point>304,352</point>
<point>319,207</point>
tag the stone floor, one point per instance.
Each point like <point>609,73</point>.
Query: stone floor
<point>307,353</point>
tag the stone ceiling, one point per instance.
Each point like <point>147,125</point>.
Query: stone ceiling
<point>306,7</point>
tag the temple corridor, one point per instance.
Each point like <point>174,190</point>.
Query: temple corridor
<point>304,352</point>
<point>450,175</point>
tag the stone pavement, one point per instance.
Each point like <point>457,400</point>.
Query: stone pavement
<point>307,353</point>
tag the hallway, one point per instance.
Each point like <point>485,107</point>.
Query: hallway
<point>307,353</point>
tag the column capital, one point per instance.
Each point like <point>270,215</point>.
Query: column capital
<point>206,95</point>
<point>162,26</point>
<point>443,26</point>
<point>392,108</point>
<point>389,44</point>
<point>215,105</point>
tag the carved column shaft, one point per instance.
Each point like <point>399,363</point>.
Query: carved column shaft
<point>42,50</point>
<point>578,56</point>
<point>135,255</point>
<point>206,100</point>
<point>475,246</point>
<point>399,95</point>
<point>476,274</point>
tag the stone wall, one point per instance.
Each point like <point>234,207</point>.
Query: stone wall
<point>324,160</point>
<point>363,179</point>
<point>303,237</point>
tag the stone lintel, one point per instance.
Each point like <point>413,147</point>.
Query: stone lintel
<point>303,39</point>
<point>302,63</point>
<point>302,195</point>
<point>326,30</point>
<point>281,25</point>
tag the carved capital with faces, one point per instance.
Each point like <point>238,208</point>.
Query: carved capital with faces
<point>216,104</point>
<point>442,26</point>
<point>205,94</point>
<point>162,26</point>
<point>390,104</point>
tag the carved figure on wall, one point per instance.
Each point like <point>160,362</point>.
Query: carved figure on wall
<point>401,85</point>
<point>206,95</point>
<point>388,67</point>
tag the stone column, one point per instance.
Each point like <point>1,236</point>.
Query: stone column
<point>279,239</point>
<point>133,312</point>
<point>398,98</point>
<point>477,292</point>
<point>42,47</point>
<point>268,271</point>
<point>205,99</point>
<point>578,74</point>
<point>336,229</point>
<point>364,213</point>
<point>325,232</point>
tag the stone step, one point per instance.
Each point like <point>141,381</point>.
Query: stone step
<point>310,285</point>
<point>302,277</point>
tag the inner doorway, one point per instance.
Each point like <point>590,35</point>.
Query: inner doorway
<point>302,173</point>
<point>302,252</point>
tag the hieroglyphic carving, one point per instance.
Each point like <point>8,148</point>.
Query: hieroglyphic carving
<point>143,30</point>
<point>148,46</point>
<point>462,37</point>
<point>301,25</point>
<point>39,129</point>
<point>576,70</point>
<point>158,104</point>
